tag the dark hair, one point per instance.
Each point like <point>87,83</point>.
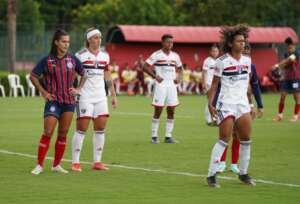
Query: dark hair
<point>247,46</point>
<point>87,44</point>
<point>166,36</point>
<point>56,36</point>
<point>228,34</point>
<point>213,46</point>
<point>289,41</point>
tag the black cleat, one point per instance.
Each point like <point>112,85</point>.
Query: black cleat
<point>246,179</point>
<point>154,140</point>
<point>212,182</point>
<point>170,140</point>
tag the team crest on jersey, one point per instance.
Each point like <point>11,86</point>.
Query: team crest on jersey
<point>52,108</point>
<point>70,65</point>
<point>83,111</point>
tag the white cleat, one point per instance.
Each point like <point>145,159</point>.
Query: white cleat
<point>221,167</point>
<point>59,169</point>
<point>37,170</point>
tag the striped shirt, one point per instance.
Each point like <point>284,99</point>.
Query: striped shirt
<point>58,76</point>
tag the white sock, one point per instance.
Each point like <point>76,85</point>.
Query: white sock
<point>216,155</point>
<point>244,156</point>
<point>154,127</point>
<point>77,146</point>
<point>169,127</point>
<point>98,144</point>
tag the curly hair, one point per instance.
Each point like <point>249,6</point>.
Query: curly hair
<point>228,34</point>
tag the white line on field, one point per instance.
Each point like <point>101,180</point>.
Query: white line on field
<point>156,170</point>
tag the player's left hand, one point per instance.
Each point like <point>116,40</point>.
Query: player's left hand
<point>114,102</point>
<point>253,113</point>
<point>74,91</point>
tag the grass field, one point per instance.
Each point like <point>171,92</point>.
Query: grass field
<point>144,173</point>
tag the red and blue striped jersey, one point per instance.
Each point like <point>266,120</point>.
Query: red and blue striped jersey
<point>58,76</point>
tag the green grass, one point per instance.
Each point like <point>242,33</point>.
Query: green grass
<point>275,157</point>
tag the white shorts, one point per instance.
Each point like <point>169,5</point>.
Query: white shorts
<point>231,110</point>
<point>165,95</point>
<point>91,110</point>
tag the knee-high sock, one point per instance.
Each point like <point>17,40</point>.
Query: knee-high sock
<point>216,154</point>
<point>280,108</point>
<point>244,156</point>
<point>98,145</point>
<point>154,127</point>
<point>77,146</point>
<point>43,149</point>
<point>296,109</point>
<point>223,158</point>
<point>169,127</point>
<point>60,147</point>
<point>235,150</point>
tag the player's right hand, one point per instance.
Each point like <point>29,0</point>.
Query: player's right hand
<point>47,96</point>
<point>158,79</point>
<point>212,111</point>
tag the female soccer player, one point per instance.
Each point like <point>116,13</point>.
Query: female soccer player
<point>232,109</point>
<point>291,80</point>
<point>93,101</point>
<point>57,71</point>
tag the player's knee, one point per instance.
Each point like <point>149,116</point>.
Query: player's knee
<point>48,132</point>
<point>62,132</point>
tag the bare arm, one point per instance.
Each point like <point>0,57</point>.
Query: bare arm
<point>211,95</point>
<point>283,63</point>
<point>147,68</point>
<point>74,91</point>
<point>204,74</point>
<point>47,96</point>
<point>110,86</point>
<point>179,76</point>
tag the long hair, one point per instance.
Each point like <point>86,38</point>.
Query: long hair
<point>228,34</point>
<point>56,36</point>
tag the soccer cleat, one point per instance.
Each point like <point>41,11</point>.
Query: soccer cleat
<point>234,168</point>
<point>170,140</point>
<point>37,170</point>
<point>76,167</point>
<point>246,179</point>
<point>99,166</point>
<point>221,167</point>
<point>154,140</point>
<point>294,118</point>
<point>212,182</point>
<point>59,169</point>
<point>278,118</point>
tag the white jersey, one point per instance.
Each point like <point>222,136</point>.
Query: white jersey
<point>165,64</point>
<point>235,77</point>
<point>93,89</point>
<point>209,65</point>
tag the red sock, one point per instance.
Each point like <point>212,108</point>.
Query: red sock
<point>43,149</point>
<point>235,149</point>
<point>280,107</point>
<point>60,147</point>
<point>223,158</point>
<point>296,109</point>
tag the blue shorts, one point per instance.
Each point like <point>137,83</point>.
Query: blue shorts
<point>290,86</point>
<point>53,108</point>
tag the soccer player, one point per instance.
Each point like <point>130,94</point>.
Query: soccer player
<point>129,76</point>
<point>115,76</point>
<point>196,80</point>
<point>92,104</point>
<point>232,109</point>
<point>235,147</point>
<point>208,73</point>
<point>57,71</point>
<point>290,67</point>
<point>186,79</point>
<point>165,63</point>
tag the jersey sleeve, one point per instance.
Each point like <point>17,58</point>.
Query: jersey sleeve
<point>107,63</point>
<point>78,66</point>
<point>205,65</point>
<point>178,61</point>
<point>40,67</point>
<point>218,68</point>
<point>152,59</point>
<point>249,65</point>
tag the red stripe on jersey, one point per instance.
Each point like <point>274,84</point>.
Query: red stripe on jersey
<point>232,68</point>
<point>158,61</point>
<point>65,85</point>
<point>88,62</point>
<point>102,62</point>
<point>59,82</point>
